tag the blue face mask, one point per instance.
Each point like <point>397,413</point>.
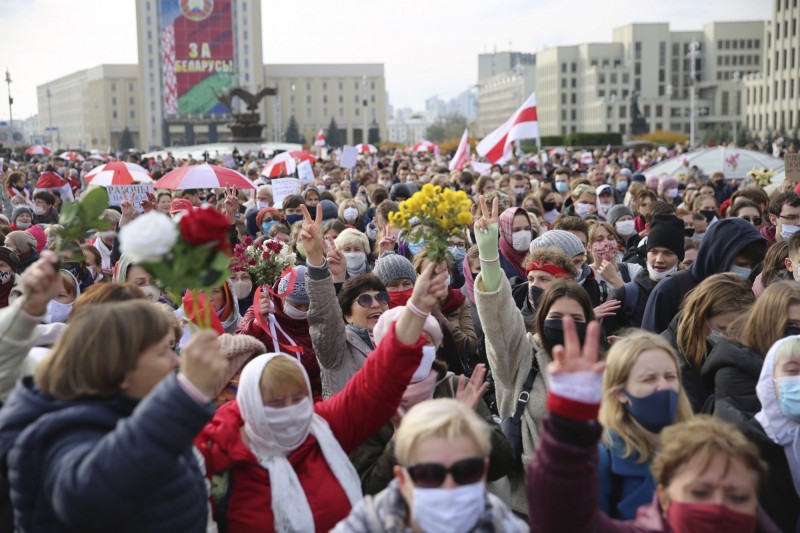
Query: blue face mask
<point>654,412</point>
<point>789,397</point>
<point>458,256</point>
<point>266,226</point>
<point>415,247</point>
<point>562,186</point>
<point>291,219</point>
<point>741,271</point>
<point>622,186</point>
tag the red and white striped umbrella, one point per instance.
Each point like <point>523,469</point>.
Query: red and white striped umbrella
<point>423,146</point>
<point>282,164</point>
<point>38,149</point>
<point>303,156</point>
<point>366,149</point>
<point>71,156</point>
<point>118,173</point>
<point>203,176</point>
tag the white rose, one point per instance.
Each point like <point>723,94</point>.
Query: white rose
<point>148,238</point>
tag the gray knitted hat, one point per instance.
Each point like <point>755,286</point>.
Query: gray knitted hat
<point>298,295</point>
<point>563,240</point>
<point>391,267</point>
<point>329,210</point>
<point>617,212</point>
<point>20,209</point>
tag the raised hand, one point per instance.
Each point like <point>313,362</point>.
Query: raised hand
<point>231,203</point>
<point>149,203</point>
<point>386,244</point>
<point>430,287</point>
<point>571,357</point>
<point>337,264</point>
<point>203,362</point>
<point>608,308</point>
<point>311,236</point>
<point>471,392</point>
<point>42,283</point>
<point>488,217</point>
<point>126,206</point>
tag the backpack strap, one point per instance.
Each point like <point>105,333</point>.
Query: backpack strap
<point>631,297</point>
<point>624,273</point>
<point>525,394</point>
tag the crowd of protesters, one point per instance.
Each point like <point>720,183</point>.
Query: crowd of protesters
<point>602,350</point>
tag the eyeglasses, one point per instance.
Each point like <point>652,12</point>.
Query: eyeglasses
<point>459,245</point>
<point>432,475</point>
<point>790,218</point>
<point>365,300</point>
<point>754,220</point>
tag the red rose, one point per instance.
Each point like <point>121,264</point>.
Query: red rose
<point>275,246</point>
<point>205,225</point>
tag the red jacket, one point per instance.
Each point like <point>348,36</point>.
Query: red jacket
<point>297,329</point>
<point>369,400</point>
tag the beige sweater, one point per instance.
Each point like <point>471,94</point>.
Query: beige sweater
<point>510,350</point>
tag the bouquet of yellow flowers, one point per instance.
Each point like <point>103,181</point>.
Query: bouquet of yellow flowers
<point>440,213</point>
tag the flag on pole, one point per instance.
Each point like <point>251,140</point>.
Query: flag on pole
<point>461,158</point>
<point>320,140</point>
<point>523,124</point>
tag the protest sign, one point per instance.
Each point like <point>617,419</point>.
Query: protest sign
<point>305,172</point>
<point>349,157</point>
<point>138,191</point>
<point>791,164</point>
<point>283,187</point>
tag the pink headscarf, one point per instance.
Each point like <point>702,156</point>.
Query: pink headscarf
<point>506,240</point>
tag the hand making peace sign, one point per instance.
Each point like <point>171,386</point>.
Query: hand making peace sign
<point>489,217</point>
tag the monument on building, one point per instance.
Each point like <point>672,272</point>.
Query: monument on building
<point>245,127</point>
<point>638,122</point>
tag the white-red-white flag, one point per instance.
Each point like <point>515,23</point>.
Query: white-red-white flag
<point>461,158</point>
<point>320,140</point>
<point>523,124</point>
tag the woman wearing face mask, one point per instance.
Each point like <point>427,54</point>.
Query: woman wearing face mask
<point>516,234</point>
<point>664,254</point>
<point>706,205</point>
<point>15,187</point>
<point>375,458</point>
<point>458,250</point>
<point>621,218</point>
<point>642,395</point>
<point>551,204</point>
<point>543,266</point>
<point>226,306</point>
<point>131,404</point>
<point>354,246</point>
<point>398,276</point>
<point>351,213</point>
<point>775,429</point>
<point>281,322</point>
<point>243,288</point>
<point>60,307</point>
<point>267,218</point>
<point>609,271</point>
<point>668,190</point>
<point>706,473</point>
<point>705,316</point>
<point>516,355</point>
<point>124,270</point>
<point>9,262</point>
<point>311,197</point>
<point>23,244</point>
<point>605,201</point>
<point>732,368</point>
<point>584,201</point>
<point>287,456</point>
<point>442,449</point>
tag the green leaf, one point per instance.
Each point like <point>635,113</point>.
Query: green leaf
<point>220,262</point>
<point>94,203</point>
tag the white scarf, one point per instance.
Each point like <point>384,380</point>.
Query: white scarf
<point>289,503</point>
<point>105,253</point>
<point>780,429</point>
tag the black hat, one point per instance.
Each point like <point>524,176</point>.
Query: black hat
<point>666,231</point>
<point>9,257</point>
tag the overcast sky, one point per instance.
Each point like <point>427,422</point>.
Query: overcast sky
<point>428,47</point>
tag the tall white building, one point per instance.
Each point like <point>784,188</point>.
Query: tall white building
<point>189,52</point>
<point>408,130</point>
<point>772,97</point>
<point>499,95</point>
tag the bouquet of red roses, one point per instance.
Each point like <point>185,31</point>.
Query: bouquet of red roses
<point>191,252</point>
<point>265,261</point>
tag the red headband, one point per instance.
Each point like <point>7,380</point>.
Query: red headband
<point>550,268</point>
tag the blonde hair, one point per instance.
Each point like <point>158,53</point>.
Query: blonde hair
<point>101,345</point>
<point>283,375</point>
<point>717,294</point>
<point>788,350</point>
<point>613,415</point>
<point>767,319</point>
<point>352,236</point>
<point>705,437</point>
<point>444,418</point>
<point>583,189</point>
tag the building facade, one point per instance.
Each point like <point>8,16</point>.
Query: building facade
<point>407,130</point>
<point>354,95</point>
<point>189,52</point>
<point>499,95</point>
<point>772,97</point>
<point>91,108</point>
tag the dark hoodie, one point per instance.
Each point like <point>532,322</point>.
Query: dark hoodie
<point>110,464</point>
<point>723,241</point>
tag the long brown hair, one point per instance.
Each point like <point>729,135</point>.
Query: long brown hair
<point>560,289</point>
<point>767,319</point>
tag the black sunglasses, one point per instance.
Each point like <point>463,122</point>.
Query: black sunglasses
<point>365,300</point>
<point>432,475</point>
<point>756,220</point>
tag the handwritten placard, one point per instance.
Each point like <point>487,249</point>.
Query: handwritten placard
<point>305,172</point>
<point>791,164</point>
<point>349,157</point>
<point>283,187</point>
<point>138,191</point>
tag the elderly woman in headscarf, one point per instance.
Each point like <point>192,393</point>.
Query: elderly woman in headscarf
<point>286,455</point>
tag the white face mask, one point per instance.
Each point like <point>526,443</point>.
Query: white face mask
<point>424,368</point>
<point>23,225</point>
<point>519,191</point>
<point>550,216</point>
<point>5,277</point>
<point>603,209</point>
<point>658,276</point>
<point>787,230</point>
<point>626,227</point>
<point>290,425</point>
<point>242,288</point>
<point>672,193</point>
<point>152,292</point>
<point>293,312</point>
<point>387,184</point>
<point>39,210</point>
<point>355,260</point>
<point>582,210</point>
<point>262,205</point>
<point>350,214</point>
<point>521,240</point>
<point>446,510</point>
<point>741,271</point>
<point>57,312</point>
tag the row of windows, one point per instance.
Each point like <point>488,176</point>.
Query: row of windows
<point>786,4</point>
<point>728,75</point>
<point>737,60</point>
<point>779,120</point>
<point>356,85</point>
<point>356,99</point>
<point>612,78</point>
<point>131,100</point>
<point>785,29</point>
<point>786,91</point>
<point>743,44</point>
<point>114,87</point>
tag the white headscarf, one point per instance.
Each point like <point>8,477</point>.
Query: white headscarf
<point>778,427</point>
<point>289,503</point>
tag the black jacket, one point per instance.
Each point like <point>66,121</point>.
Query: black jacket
<point>699,396</point>
<point>731,371</point>
<point>721,244</point>
<point>623,319</point>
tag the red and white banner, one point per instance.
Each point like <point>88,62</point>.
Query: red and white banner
<point>320,140</point>
<point>523,124</point>
<point>461,158</point>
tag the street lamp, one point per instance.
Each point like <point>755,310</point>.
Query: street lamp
<point>737,80</point>
<point>10,102</point>
<point>668,116</point>
<point>365,139</point>
<point>694,53</point>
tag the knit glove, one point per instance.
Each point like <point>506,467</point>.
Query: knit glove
<point>489,253</point>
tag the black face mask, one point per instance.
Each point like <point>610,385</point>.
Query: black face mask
<point>709,214</point>
<point>791,330</point>
<point>548,206</point>
<point>534,295</point>
<point>689,232</point>
<point>554,332</point>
